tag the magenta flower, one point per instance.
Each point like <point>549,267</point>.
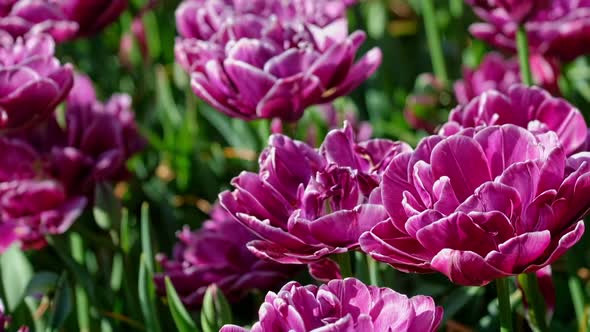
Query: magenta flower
<point>530,108</point>
<point>19,17</point>
<point>497,73</point>
<point>343,305</point>
<point>482,204</point>
<point>306,204</point>
<point>32,81</point>
<point>267,59</point>
<point>209,256</point>
<point>97,141</point>
<point>92,16</point>
<point>558,28</point>
<point>32,205</point>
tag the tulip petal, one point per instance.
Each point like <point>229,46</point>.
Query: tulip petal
<point>463,161</point>
<point>465,267</point>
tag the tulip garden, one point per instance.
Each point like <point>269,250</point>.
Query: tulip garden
<point>302,165</point>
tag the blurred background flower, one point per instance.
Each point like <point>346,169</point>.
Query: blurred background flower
<point>217,254</point>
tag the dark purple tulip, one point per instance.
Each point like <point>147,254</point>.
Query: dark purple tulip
<point>32,81</point>
<point>32,205</point>
<point>92,16</point>
<point>342,306</point>
<point>217,254</point>
<point>306,204</point>
<point>498,73</point>
<point>97,141</point>
<point>530,108</point>
<point>266,59</point>
<point>481,204</point>
<point>19,17</point>
<point>559,28</point>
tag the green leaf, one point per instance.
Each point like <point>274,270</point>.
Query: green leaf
<point>216,311</point>
<point>16,275</point>
<point>126,237</point>
<point>230,130</point>
<point>183,320</point>
<point>42,283</point>
<point>152,34</point>
<point>378,14</point>
<point>107,208</point>
<point>147,297</point>
<point>117,271</point>
<point>146,240</point>
<point>62,304</point>
<point>80,273</point>
<point>82,305</point>
<point>459,298</point>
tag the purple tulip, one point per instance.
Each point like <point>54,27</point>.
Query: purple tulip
<point>92,16</point>
<point>209,256</point>
<point>530,108</point>
<point>32,81</point>
<point>32,205</point>
<point>266,59</point>
<point>97,140</point>
<point>497,73</point>
<point>306,204</point>
<point>343,305</point>
<point>559,28</point>
<point>19,17</point>
<point>482,204</point>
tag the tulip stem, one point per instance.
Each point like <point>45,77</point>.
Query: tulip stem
<point>374,276</point>
<point>576,290</point>
<point>434,44</point>
<point>504,304</point>
<point>343,261</point>
<point>522,43</point>
<point>290,129</point>
<point>530,285</point>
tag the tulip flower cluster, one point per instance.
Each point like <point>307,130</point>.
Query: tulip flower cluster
<point>484,178</point>
<point>501,190</point>
<point>49,170</point>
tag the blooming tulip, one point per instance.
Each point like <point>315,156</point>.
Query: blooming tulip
<point>482,204</point>
<point>343,305</point>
